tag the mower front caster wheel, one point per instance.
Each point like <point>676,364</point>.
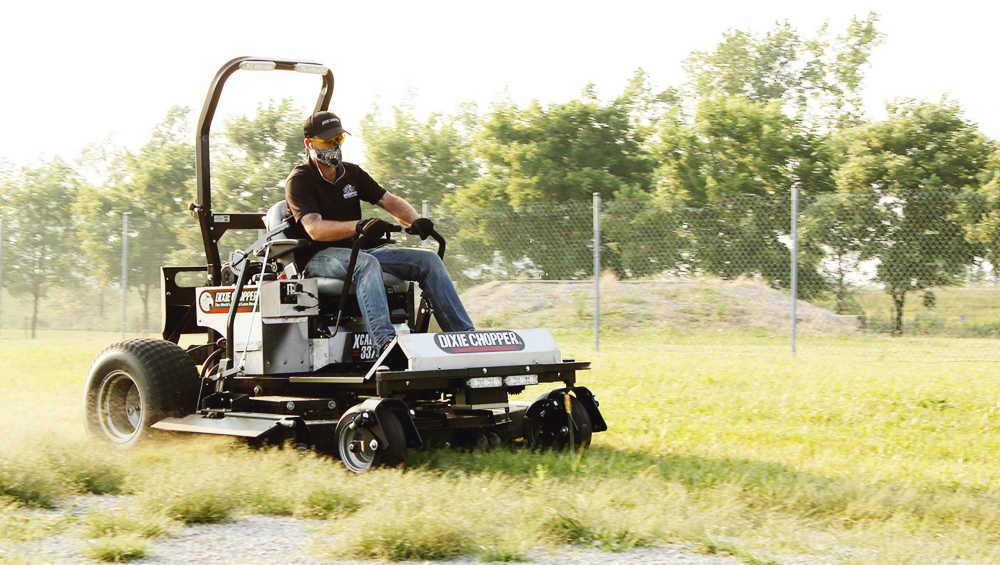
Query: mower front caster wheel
<point>553,428</point>
<point>360,449</point>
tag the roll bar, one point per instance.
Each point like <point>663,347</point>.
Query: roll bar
<point>213,227</point>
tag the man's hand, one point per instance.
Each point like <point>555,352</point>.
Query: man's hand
<point>374,228</point>
<point>422,227</point>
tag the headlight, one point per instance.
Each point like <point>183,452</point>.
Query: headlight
<point>484,382</point>
<point>521,380</point>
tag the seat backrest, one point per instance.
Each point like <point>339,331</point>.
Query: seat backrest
<point>275,215</point>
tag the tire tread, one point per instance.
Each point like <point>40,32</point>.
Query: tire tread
<point>168,372</point>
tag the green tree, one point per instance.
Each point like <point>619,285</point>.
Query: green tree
<point>564,152</point>
<point>817,77</point>
<point>38,250</point>
<point>421,160</point>
<point>7,175</point>
<point>752,124</point>
<point>644,235</point>
<point>914,170</point>
<point>541,166</point>
<point>981,211</point>
<point>733,171</point>
<point>839,226</point>
<point>102,165</point>
<point>736,147</point>
<point>254,158</point>
<point>153,186</point>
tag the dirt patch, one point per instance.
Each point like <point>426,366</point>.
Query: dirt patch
<point>681,304</point>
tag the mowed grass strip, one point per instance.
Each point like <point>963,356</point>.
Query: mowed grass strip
<point>869,449</point>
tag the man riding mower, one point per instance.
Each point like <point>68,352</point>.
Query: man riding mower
<point>314,333</point>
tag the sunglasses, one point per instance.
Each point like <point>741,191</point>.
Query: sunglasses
<point>335,140</point>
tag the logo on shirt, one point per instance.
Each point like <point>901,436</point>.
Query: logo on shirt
<point>350,191</point>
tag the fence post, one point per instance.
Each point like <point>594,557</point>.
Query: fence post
<point>597,271</point>
<point>795,258</point>
<point>124,319</point>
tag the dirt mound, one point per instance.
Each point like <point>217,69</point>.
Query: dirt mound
<point>682,304</point>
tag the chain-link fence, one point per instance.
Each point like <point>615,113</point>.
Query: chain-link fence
<point>881,264</point>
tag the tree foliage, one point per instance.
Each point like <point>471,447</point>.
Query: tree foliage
<point>737,164</point>
<point>817,77</point>
<point>421,160</point>
<point>537,161</point>
<point>37,251</point>
<point>559,153</point>
<point>735,147</point>
<point>837,228</point>
<point>255,155</point>
<point>914,169</point>
<point>153,186</point>
<point>981,211</point>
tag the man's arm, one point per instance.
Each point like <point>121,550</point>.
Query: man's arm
<point>327,230</point>
<point>399,208</point>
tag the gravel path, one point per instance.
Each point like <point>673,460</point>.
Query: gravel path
<point>270,540</point>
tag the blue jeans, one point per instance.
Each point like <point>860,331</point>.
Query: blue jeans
<point>409,264</point>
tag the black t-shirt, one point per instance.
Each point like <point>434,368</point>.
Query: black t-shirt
<point>306,191</point>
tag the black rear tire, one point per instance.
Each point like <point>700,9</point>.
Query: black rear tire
<point>135,383</point>
<point>353,444</point>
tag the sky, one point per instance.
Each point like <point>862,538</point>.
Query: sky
<point>105,72</point>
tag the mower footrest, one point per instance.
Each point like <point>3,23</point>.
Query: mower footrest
<point>291,405</point>
<point>233,424</point>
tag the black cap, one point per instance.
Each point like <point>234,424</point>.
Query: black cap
<point>324,125</point>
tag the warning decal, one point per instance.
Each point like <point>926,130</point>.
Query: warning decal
<point>479,342</point>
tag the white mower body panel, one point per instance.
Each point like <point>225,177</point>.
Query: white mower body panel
<point>484,348</point>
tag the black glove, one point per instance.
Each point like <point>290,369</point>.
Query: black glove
<point>422,227</point>
<point>374,228</point>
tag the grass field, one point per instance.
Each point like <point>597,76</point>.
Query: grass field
<point>858,449</point>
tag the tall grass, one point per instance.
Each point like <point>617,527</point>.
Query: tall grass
<point>860,449</point>
<point>17,524</point>
<point>118,549</point>
<point>118,523</point>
